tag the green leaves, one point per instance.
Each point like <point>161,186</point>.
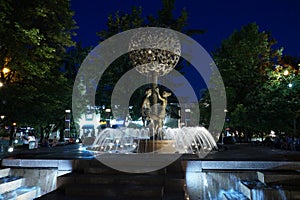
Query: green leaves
<point>245,61</point>
<point>34,36</point>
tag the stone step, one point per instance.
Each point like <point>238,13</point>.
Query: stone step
<point>173,185</point>
<point>121,179</point>
<point>124,163</point>
<point>106,170</point>
<point>279,177</point>
<point>101,170</point>
<point>259,190</point>
<point>95,191</point>
<point>175,195</point>
<point>10,183</point>
<point>22,193</point>
<point>4,172</point>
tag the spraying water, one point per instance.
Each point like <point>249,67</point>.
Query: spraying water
<point>196,140</point>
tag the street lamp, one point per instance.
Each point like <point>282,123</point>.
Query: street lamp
<point>4,73</point>
<point>108,111</point>
<point>5,70</point>
<point>187,112</point>
<point>67,123</point>
<point>223,133</point>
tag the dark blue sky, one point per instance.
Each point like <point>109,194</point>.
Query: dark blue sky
<point>218,17</point>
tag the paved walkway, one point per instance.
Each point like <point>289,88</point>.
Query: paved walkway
<point>72,151</point>
<point>248,152</point>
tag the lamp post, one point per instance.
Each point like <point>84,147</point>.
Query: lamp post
<point>187,112</point>
<point>12,132</point>
<point>223,134</point>
<point>67,123</point>
<point>3,75</point>
<point>108,111</point>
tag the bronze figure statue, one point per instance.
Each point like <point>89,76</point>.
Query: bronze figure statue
<point>154,116</point>
<point>146,106</point>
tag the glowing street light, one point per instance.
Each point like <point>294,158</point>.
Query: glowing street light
<point>286,72</point>
<point>5,70</point>
<point>68,111</point>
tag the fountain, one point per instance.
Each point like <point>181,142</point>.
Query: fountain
<point>154,62</point>
<point>154,52</point>
<point>194,140</point>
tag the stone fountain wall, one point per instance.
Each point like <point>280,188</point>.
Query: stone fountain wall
<point>44,178</point>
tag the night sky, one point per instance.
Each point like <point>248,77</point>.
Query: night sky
<point>218,17</point>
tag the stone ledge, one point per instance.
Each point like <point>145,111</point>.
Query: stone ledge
<point>61,165</point>
<point>198,166</point>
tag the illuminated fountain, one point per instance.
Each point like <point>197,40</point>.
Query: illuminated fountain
<point>154,62</point>
<point>176,140</point>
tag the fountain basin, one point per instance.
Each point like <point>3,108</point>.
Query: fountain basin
<point>159,146</point>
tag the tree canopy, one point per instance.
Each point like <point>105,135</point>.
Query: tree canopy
<point>33,44</point>
<point>260,98</point>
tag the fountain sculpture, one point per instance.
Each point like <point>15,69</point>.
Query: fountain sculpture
<point>154,62</point>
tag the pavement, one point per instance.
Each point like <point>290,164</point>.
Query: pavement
<point>234,152</point>
<point>69,152</point>
<point>249,152</point>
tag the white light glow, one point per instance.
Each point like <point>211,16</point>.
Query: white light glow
<point>5,70</point>
<point>286,72</point>
<point>82,148</point>
<point>10,149</point>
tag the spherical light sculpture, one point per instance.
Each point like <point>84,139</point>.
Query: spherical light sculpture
<point>163,55</point>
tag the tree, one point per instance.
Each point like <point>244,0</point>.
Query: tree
<point>32,46</point>
<point>244,60</point>
<point>279,96</point>
<point>73,59</point>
